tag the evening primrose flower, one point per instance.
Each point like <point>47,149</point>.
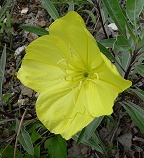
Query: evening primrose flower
<point>75,80</point>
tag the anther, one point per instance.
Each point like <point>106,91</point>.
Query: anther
<point>61,61</point>
<point>80,85</point>
<point>97,77</point>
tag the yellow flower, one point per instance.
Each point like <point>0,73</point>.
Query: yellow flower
<point>75,80</point>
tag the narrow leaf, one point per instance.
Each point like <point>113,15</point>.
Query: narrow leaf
<point>2,69</point>
<point>140,69</point>
<point>90,129</point>
<point>48,5</point>
<point>105,51</point>
<point>133,10</point>
<point>91,14</point>
<point>139,92</point>
<point>136,113</point>
<point>108,43</point>
<point>116,13</point>
<point>93,142</point>
<point>6,120</point>
<point>25,140</point>
<point>3,9</point>
<point>36,30</point>
<point>121,43</point>
<point>126,58</point>
<point>71,5</point>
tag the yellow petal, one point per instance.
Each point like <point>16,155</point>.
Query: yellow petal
<point>39,69</point>
<point>72,31</point>
<point>108,73</point>
<point>56,108</point>
<point>66,110</point>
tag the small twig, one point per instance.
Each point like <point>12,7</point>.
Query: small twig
<point>130,65</point>
<point>101,20</point>
<point>18,132</point>
<point>18,117</point>
<point>8,144</point>
<point>137,81</point>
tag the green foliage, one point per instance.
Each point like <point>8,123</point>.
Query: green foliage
<point>90,137</point>
<point>2,69</point>
<point>6,18</point>
<point>8,152</point>
<point>116,13</point>
<point>25,139</point>
<point>133,10</point>
<point>136,113</point>
<point>56,147</point>
<point>48,5</point>
<point>36,30</point>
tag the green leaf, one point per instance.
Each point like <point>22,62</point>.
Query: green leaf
<point>133,10</point>
<point>139,92</point>
<point>71,5</point>
<point>56,147</point>
<point>90,1</point>
<point>9,151</point>
<point>125,59</point>
<point>36,30</point>
<point>140,69</point>
<point>121,43</point>
<point>3,9</point>
<point>116,13</point>
<point>25,139</point>
<point>108,42</point>
<point>142,32</point>
<point>91,14</point>
<point>136,113</point>
<point>2,69</point>
<point>6,120</point>
<point>105,51</point>
<point>48,5</point>
<point>93,142</point>
<point>90,129</point>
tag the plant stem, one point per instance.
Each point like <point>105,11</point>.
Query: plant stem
<point>101,20</point>
<point>13,116</point>
<point>130,65</point>
<point>18,132</point>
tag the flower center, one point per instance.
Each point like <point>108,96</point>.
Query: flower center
<point>77,75</point>
<point>85,74</point>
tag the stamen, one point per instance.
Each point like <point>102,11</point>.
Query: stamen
<point>70,51</point>
<point>69,78</point>
<point>97,77</point>
<point>80,85</point>
<point>92,81</point>
<point>61,61</point>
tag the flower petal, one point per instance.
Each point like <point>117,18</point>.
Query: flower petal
<point>56,108</point>
<point>39,69</point>
<point>66,110</point>
<point>108,73</point>
<point>71,29</point>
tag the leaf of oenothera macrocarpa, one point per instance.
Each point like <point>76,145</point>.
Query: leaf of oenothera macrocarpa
<point>2,69</point>
<point>3,8</point>
<point>116,14</point>
<point>136,113</point>
<point>25,139</point>
<point>48,5</point>
<point>56,146</point>
<point>139,92</point>
<point>36,30</point>
<point>140,69</point>
<point>133,10</point>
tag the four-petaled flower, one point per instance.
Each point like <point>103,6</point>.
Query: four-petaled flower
<point>75,80</point>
